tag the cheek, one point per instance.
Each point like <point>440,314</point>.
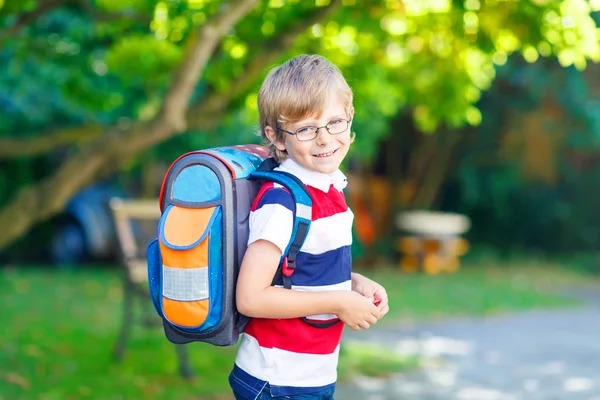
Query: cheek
<point>345,139</point>
<point>289,143</point>
<point>298,148</point>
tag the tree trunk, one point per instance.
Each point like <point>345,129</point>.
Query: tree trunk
<point>104,153</point>
<point>436,170</point>
<point>46,198</point>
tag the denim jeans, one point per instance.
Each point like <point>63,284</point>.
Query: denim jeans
<point>326,394</point>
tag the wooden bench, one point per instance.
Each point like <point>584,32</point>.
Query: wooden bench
<point>136,222</point>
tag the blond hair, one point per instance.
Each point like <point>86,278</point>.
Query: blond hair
<point>298,89</point>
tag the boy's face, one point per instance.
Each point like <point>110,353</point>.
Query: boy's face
<point>324,153</point>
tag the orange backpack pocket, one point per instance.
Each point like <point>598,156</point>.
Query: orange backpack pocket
<point>189,239</point>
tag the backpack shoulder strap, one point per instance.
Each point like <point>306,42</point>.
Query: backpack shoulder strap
<point>302,216</point>
<point>302,220</point>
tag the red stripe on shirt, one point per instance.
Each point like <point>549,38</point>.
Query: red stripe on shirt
<point>263,189</point>
<point>327,204</point>
<point>294,335</point>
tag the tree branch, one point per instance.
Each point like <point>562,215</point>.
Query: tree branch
<point>47,6</point>
<point>103,154</point>
<point>11,147</point>
<point>177,98</point>
<point>46,198</point>
<point>208,110</point>
<point>27,17</point>
<point>204,114</point>
<point>100,15</point>
<point>437,169</point>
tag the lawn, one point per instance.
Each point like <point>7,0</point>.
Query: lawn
<point>60,327</point>
<point>480,288</point>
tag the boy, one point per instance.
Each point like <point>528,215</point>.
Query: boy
<point>306,111</point>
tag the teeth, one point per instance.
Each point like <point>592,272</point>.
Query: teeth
<point>325,154</point>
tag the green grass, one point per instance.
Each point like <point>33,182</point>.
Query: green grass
<point>60,326</point>
<point>57,344</point>
<point>370,359</point>
<point>479,289</point>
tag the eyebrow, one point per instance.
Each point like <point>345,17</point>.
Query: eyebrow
<point>313,122</point>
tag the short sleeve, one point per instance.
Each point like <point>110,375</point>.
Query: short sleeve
<point>272,218</point>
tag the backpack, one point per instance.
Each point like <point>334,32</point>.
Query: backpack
<point>202,235</point>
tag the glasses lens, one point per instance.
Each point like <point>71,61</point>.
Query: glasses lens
<point>337,126</point>
<point>306,133</point>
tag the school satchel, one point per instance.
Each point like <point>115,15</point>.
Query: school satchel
<point>202,235</point>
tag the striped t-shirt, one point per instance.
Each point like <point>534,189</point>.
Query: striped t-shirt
<point>290,355</point>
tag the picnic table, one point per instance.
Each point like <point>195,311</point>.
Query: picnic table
<point>431,241</point>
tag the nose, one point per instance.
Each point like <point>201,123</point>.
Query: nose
<point>323,136</point>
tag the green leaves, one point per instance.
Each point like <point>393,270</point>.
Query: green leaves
<point>432,58</point>
<point>121,5</point>
<point>143,58</point>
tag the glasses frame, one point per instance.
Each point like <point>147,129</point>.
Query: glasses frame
<point>318,128</point>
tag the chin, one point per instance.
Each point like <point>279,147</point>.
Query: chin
<point>329,169</point>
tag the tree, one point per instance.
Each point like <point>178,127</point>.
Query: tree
<point>136,73</point>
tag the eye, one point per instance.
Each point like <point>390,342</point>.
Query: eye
<point>305,129</point>
<point>335,122</point>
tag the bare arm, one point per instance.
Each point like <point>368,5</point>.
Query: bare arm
<point>257,298</point>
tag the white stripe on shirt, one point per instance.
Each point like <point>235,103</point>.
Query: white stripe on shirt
<point>285,368</point>
<point>272,222</point>
<point>329,233</point>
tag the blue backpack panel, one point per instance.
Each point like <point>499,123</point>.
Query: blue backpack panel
<point>202,235</point>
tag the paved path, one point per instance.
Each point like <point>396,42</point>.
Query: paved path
<point>540,355</point>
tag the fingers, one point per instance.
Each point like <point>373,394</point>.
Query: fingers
<point>372,319</point>
<point>364,313</point>
<point>376,313</point>
<point>363,325</point>
<point>359,325</point>
<point>385,310</point>
<point>382,299</point>
<point>366,323</point>
<point>381,294</point>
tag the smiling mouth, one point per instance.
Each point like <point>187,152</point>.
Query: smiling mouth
<point>325,155</point>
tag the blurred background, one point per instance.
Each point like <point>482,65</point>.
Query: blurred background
<point>472,180</point>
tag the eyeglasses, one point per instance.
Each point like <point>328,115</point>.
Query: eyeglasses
<point>334,127</point>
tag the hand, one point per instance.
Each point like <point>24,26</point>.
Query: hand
<point>371,290</point>
<point>357,311</point>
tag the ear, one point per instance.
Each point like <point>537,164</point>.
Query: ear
<point>272,136</point>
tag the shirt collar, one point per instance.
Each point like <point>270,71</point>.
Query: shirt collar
<point>315,179</point>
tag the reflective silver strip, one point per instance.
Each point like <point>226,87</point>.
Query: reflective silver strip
<point>185,284</point>
<point>303,211</point>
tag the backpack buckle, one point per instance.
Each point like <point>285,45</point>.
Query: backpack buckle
<point>287,268</point>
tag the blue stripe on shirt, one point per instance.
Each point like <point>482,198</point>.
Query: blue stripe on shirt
<point>278,196</point>
<point>310,270</point>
